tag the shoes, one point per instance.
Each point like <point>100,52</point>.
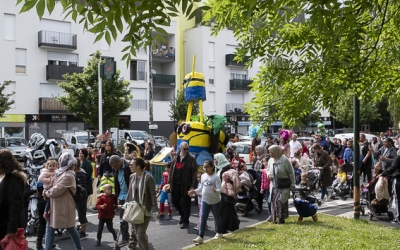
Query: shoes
<point>196,228</point>
<point>39,245</point>
<point>315,218</point>
<point>162,217</point>
<point>97,243</point>
<point>169,217</point>
<point>300,219</point>
<point>46,216</point>
<point>185,225</point>
<point>218,236</point>
<point>198,240</point>
<point>395,221</point>
<point>328,197</point>
<point>82,235</point>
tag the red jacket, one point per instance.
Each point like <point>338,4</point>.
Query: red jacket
<point>108,212</point>
<point>241,163</point>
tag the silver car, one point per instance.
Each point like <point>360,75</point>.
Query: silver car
<point>16,145</point>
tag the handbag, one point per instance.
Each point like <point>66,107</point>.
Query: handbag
<point>282,182</point>
<point>378,168</point>
<point>134,212</point>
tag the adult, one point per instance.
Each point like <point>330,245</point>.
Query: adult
<point>105,167</point>
<point>284,146</point>
<point>230,154</point>
<point>269,141</point>
<point>86,165</point>
<point>122,173</point>
<point>294,145</point>
<point>254,143</point>
<point>139,182</point>
<point>143,145</point>
<point>394,171</point>
<point>81,180</point>
<point>210,189</point>
<point>259,166</point>
<point>103,146</point>
<point>323,162</point>
<point>366,154</point>
<point>12,181</point>
<point>230,186</point>
<point>319,141</point>
<point>303,163</point>
<point>387,153</point>
<point>148,151</point>
<point>41,204</point>
<point>279,167</point>
<point>181,179</point>
<point>130,151</point>
<point>349,153</point>
<point>376,145</point>
<point>62,203</point>
<point>90,153</point>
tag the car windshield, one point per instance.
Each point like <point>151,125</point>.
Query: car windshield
<point>241,148</point>
<point>83,139</point>
<point>16,142</point>
<point>138,135</point>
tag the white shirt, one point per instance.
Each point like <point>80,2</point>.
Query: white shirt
<point>205,185</point>
<point>294,146</point>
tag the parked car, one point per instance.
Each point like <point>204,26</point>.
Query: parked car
<point>62,143</point>
<point>306,140</point>
<point>17,146</point>
<point>161,141</point>
<point>77,140</point>
<point>351,135</point>
<point>134,135</point>
<point>243,148</point>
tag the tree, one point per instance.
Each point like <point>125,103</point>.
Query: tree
<point>135,20</point>
<point>5,101</point>
<point>311,117</point>
<point>313,52</point>
<point>179,107</point>
<point>82,95</point>
<point>343,111</point>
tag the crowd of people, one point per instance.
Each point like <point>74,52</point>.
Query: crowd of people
<point>110,178</point>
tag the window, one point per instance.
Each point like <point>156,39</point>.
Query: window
<point>211,98</point>
<point>9,27</point>
<point>138,70</point>
<point>65,59</point>
<point>139,99</point>
<point>211,51</point>
<point>238,74</point>
<point>20,61</point>
<point>211,75</point>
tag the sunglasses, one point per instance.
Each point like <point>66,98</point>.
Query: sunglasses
<point>185,149</point>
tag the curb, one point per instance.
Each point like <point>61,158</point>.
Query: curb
<point>240,229</point>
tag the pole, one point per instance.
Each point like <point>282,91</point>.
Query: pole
<point>100,99</point>
<point>151,87</point>
<point>356,147</point>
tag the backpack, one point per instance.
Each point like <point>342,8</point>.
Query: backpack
<point>80,192</point>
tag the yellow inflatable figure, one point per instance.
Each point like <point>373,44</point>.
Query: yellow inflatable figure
<point>197,134</point>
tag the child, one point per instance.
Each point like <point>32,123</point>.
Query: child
<point>335,166</point>
<point>164,190</point>
<point>47,177</point>
<point>199,202</point>
<point>106,203</point>
<point>297,172</point>
<point>238,163</point>
<point>340,179</point>
<point>265,184</point>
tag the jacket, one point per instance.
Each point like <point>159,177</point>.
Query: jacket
<point>149,199</point>
<point>323,160</point>
<point>189,174</point>
<point>389,153</point>
<point>12,202</point>
<point>109,211</point>
<point>87,166</point>
<point>127,174</point>
<point>81,178</point>
<point>62,204</point>
<point>394,169</point>
<point>230,183</point>
<point>47,177</point>
<point>104,164</point>
<point>264,180</point>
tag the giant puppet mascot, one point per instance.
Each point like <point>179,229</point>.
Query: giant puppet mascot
<point>205,137</point>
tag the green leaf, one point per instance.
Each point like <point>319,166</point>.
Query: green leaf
<point>40,7</point>
<point>28,5</point>
<point>50,5</point>
<point>74,15</point>
<point>99,37</point>
<point>108,37</point>
<point>160,30</point>
<point>118,21</point>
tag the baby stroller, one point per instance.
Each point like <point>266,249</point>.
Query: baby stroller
<point>304,193</point>
<point>305,208</point>
<point>369,199</point>
<point>247,199</point>
<point>347,188</point>
<point>313,178</point>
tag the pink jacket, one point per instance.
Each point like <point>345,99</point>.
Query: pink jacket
<point>264,180</point>
<point>47,177</point>
<point>230,183</point>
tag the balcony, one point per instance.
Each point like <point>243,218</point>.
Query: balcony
<point>163,54</point>
<point>164,81</point>
<point>55,72</point>
<point>54,39</point>
<point>240,84</point>
<point>234,108</point>
<point>230,62</point>
<point>50,105</point>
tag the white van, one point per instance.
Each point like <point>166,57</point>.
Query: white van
<point>78,140</point>
<point>134,135</point>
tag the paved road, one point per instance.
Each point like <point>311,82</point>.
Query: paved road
<point>168,235</point>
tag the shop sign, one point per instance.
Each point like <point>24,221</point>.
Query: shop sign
<point>12,118</point>
<point>59,118</point>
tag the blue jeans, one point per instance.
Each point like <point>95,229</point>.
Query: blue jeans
<point>268,199</point>
<point>71,231</point>
<point>205,210</point>
<point>324,191</point>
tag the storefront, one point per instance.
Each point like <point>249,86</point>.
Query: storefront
<point>52,126</point>
<point>12,126</point>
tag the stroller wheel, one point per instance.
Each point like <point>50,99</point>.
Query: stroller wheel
<point>300,219</point>
<point>391,216</point>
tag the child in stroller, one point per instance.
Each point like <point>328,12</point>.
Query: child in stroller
<point>338,182</point>
<point>247,199</point>
<point>346,188</point>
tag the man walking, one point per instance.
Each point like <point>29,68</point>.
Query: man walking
<point>182,178</point>
<point>122,173</point>
<point>366,151</point>
<point>295,145</point>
